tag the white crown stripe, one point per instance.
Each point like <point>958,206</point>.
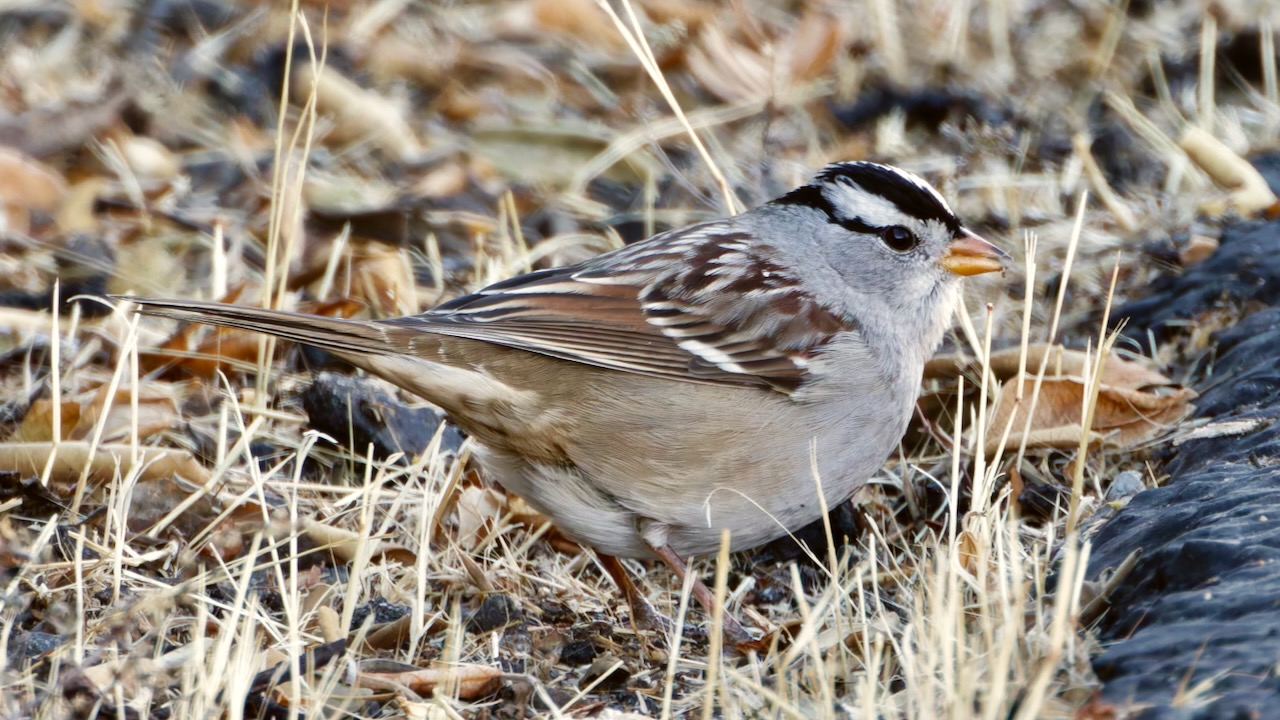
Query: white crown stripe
<point>915,180</point>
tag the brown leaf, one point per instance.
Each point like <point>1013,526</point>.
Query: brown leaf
<point>1004,365</point>
<point>76,213</point>
<point>346,544</point>
<point>26,185</point>
<point>471,681</point>
<point>37,424</point>
<point>157,411</point>
<point>731,72</point>
<point>70,458</point>
<point>1198,249</point>
<point>478,509</point>
<point>1063,437</point>
<point>968,551</point>
<point>814,43</point>
<point>1123,416</point>
<point>445,180</point>
<point>1249,191</point>
<point>382,277</point>
<point>358,114</point>
<point>551,155</point>
<point>582,21</point>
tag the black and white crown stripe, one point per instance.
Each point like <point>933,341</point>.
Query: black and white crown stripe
<point>885,194</point>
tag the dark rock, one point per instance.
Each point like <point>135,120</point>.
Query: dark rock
<point>1125,485</point>
<point>606,674</point>
<point>846,527</point>
<point>1203,604</point>
<point>31,644</point>
<point>382,610</point>
<point>578,652</point>
<point>85,264</point>
<point>1125,161</point>
<point>1039,501</point>
<point>1242,272</point>
<point>192,18</point>
<point>925,106</point>
<point>357,413</point>
<point>495,612</point>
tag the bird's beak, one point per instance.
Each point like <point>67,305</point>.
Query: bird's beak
<point>969,254</point>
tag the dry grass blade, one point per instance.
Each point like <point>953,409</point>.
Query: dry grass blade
<point>634,35</point>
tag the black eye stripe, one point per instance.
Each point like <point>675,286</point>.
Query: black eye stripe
<point>808,196</point>
<point>811,196</point>
<point>854,225</point>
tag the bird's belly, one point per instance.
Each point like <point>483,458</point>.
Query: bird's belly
<point>673,464</point>
<point>575,504</point>
<point>757,497</point>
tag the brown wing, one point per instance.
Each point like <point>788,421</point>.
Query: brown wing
<point>699,305</point>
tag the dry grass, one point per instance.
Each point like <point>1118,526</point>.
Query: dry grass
<point>168,586</point>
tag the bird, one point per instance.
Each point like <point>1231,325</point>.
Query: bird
<point>738,374</point>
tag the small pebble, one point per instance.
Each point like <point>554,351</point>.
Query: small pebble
<point>1125,485</point>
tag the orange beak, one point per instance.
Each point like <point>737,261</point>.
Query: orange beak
<point>969,254</point>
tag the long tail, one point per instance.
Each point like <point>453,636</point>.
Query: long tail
<point>344,337</point>
<point>482,404</point>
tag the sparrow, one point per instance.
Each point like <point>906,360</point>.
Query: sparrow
<point>740,374</point>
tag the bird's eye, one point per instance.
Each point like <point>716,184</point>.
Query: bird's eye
<point>899,239</point>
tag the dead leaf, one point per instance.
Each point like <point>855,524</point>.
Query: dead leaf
<point>37,424</point>
<point>692,15</point>
<point>470,681</point>
<point>551,156</point>
<point>814,43</point>
<point>148,159</point>
<point>70,458</point>
<point>346,544</point>
<point>1249,192</point>
<point>522,513</point>
<point>26,185</point>
<point>393,58</point>
<point>1063,437</point>
<point>731,72</point>
<point>76,213</point>
<point>382,276</point>
<point>968,550</point>
<point>446,180</point>
<point>478,509</point>
<point>581,20</point>
<point>1135,402</point>
<point>358,114</point>
<point>1123,417</point>
<point>1004,365</point>
<point>1198,249</point>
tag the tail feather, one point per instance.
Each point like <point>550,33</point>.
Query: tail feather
<point>344,337</point>
<point>481,404</point>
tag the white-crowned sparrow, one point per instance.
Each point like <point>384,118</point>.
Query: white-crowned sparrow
<point>697,380</point>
